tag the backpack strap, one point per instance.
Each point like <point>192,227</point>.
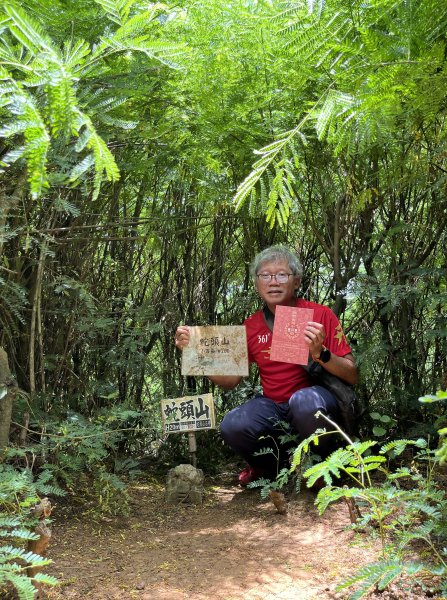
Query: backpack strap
<point>269,317</point>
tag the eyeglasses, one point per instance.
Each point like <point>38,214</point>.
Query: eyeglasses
<point>279,277</point>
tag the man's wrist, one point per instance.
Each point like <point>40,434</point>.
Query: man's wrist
<point>324,356</point>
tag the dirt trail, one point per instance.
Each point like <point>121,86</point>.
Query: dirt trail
<point>235,546</point>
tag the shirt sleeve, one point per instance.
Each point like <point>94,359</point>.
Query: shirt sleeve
<point>335,338</point>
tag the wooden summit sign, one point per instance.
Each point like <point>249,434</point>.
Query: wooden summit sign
<point>216,350</point>
<point>190,413</point>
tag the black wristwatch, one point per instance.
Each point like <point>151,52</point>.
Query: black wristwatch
<point>325,355</point>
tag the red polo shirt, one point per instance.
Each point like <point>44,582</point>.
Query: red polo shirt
<point>280,380</point>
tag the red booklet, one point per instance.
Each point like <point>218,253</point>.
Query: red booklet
<point>288,343</point>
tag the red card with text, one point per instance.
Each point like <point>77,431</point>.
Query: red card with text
<point>288,343</point>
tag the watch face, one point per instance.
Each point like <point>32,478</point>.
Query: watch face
<point>325,355</point>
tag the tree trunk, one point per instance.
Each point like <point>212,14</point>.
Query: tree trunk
<point>8,391</point>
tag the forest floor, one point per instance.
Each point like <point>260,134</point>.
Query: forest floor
<point>234,546</point>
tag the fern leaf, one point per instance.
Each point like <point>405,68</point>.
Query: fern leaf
<point>79,169</point>
<point>362,447</point>
<point>74,53</point>
<point>119,123</point>
<point>104,162</point>
<point>37,139</point>
<point>117,10</point>
<point>45,579</point>
<point>13,155</point>
<point>398,446</point>
<point>23,534</point>
<point>8,553</point>
<point>6,521</point>
<point>260,167</point>
<point>329,495</point>
<point>23,584</point>
<point>380,574</point>
<point>28,31</point>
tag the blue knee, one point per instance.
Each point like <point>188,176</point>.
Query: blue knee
<point>232,427</point>
<point>303,406</point>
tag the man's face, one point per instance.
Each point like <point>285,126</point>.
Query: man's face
<point>272,292</point>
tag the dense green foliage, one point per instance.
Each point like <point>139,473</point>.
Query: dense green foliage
<point>130,202</point>
<point>94,283</point>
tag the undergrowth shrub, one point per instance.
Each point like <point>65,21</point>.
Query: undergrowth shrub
<point>19,493</point>
<point>392,492</point>
<point>84,456</point>
<point>404,505</point>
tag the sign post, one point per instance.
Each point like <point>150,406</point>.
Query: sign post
<point>192,448</point>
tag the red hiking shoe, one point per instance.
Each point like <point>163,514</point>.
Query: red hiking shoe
<point>250,474</point>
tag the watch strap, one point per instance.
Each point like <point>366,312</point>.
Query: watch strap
<point>323,357</point>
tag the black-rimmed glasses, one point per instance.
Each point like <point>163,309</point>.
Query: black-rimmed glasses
<point>280,277</point>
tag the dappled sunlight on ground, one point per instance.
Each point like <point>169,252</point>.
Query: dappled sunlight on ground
<point>235,546</point>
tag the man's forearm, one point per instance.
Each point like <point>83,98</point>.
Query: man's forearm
<point>343,367</point>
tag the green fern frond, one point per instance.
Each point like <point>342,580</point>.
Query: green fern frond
<point>303,448</point>
<point>279,200</point>
<point>159,51</point>
<point>107,104</point>
<point>13,298</point>
<point>422,532</point>
<point>6,521</point>
<point>37,140</point>
<point>74,53</point>
<point>62,205</point>
<point>13,155</point>
<point>23,534</point>
<point>335,105</point>
<point>8,553</point>
<point>104,162</point>
<point>260,167</point>
<point>22,583</point>
<point>328,495</point>
<point>45,488</point>
<point>433,512</point>
<point>136,34</point>
<point>264,451</point>
<point>362,447</point>
<point>311,36</point>
<point>331,467</point>
<point>400,472</point>
<point>263,197</point>
<point>45,579</point>
<point>398,446</point>
<point>264,484</point>
<point>136,28</point>
<point>13,128</point>
<point>85,165</point>
<point>117,10</point>
<point>379,575</point>
<point>118,123</point>
<point>28,31</point>
<point>84,138</point>
<point>62,103</point>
